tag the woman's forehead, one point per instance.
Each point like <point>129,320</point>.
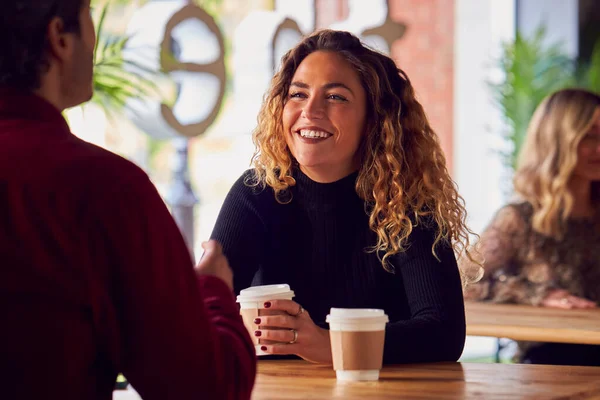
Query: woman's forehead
<point>326,66</point>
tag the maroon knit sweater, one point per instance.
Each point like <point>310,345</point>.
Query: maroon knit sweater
<point>95,277</point>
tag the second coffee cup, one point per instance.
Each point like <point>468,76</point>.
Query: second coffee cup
<point>357,338</point>
<point>252,301</point>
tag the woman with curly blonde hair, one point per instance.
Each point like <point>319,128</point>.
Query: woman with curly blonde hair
<point>544,249</point>
<point>351,204</point>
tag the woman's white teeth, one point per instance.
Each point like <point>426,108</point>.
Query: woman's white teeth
<point>313,134</point>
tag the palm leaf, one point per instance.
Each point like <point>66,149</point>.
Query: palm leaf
<point>99,29</point>
<point>532,70</point>
<point>117,79</point>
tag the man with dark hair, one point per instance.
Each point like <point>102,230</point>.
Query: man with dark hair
<point>95,277</point>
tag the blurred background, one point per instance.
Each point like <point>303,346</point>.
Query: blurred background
<point>179,84</point>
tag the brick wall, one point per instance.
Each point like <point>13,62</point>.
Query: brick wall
<point>330,11</point>
<point>425,53</point>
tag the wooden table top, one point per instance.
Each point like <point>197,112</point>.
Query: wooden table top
<point>541,324</point>
<point>299,380</point>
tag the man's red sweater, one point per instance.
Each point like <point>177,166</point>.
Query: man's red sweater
<point>96,279</point>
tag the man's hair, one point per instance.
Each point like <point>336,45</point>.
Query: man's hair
<point>24,45</point>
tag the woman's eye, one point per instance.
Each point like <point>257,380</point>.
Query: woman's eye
<point>297,95</point>
<point>336,97</point>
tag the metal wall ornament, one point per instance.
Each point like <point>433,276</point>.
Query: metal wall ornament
<point>183,41</point>
<point>372,21</point>
<point>260,40</point>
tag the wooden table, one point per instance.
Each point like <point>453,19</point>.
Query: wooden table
<point>540,324</point>
<point>300,380</point>
<point>295,380</point>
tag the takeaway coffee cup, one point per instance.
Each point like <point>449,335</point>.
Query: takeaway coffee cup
<point>357,336</point>
<point>251,302</point>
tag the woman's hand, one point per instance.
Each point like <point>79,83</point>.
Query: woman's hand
<point>560,298</point>
<point>300,335</point>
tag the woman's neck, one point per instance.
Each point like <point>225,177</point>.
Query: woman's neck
<point>328,174</point>
<point>340,193</point>
<point>582,198</point>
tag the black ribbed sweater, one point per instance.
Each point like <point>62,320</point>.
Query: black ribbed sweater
<point>317,244</point>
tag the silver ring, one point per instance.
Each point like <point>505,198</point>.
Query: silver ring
<point>295,332</point>
<point>300,311</point>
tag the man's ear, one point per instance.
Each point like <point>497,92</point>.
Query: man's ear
<point>59,41</point>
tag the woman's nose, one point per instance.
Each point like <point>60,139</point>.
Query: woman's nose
<point>313,109</point>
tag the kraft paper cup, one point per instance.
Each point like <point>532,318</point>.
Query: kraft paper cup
<point>251,302</point>
<point>357,338</point>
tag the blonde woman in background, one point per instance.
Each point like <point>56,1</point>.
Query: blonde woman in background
<point>544,249</point>
<point>350,203</point>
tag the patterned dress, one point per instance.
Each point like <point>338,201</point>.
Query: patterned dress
<point>522,266</point>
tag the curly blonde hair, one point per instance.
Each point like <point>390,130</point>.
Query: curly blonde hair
<point>403,177</point>
<point>549,156</point>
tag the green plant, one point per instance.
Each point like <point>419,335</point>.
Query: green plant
<point>532,70</point>
<point>117,79</point>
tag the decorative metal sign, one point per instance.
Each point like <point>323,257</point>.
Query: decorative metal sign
<point>260,40</point>
<point>371,21</point>
<point>184,41</point>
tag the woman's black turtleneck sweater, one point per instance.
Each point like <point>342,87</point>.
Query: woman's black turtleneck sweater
<point>318,244</point>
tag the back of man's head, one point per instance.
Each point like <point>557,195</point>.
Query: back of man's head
<point>24,48</point>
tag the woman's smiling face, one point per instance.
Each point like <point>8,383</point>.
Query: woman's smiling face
<point>324,116</point>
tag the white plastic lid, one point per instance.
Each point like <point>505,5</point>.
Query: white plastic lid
<point>338,315</point>
<point>265,292</point>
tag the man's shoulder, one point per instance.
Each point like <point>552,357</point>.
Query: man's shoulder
<point>99,166</point>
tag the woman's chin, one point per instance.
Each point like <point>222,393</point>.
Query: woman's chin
<point>311,164</point>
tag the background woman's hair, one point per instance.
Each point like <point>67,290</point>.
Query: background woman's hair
<point>23,29</point>
<point>549,156</point>
<point>402,178</point>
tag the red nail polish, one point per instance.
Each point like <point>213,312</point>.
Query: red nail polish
<point>263,348</point>
<point>257,321</point>
<point>267,304</point>
<point>257,333</point>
